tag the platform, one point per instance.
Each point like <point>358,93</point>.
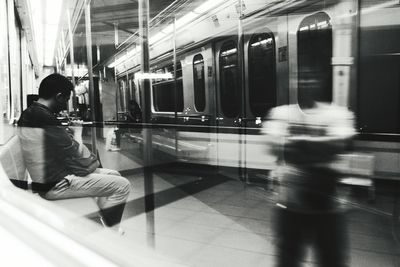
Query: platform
<point>209,220</point>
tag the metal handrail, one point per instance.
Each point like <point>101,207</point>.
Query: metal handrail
<point>160,17</point>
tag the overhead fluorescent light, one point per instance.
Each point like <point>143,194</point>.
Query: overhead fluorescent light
<point>152,76</point>
<point>210,4</point>
<point>157,37</point>
<point>228,52</point>
<point>168,29</point>
<point>125,57</point>
<point>185,19</point>
<point>52,21</point>
<point>181,22</point>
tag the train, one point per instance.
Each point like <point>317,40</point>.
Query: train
<point>239,59</point>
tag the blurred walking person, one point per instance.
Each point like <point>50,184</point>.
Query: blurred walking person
<point>307,137</point>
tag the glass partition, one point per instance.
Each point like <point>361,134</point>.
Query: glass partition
<point>4,72</point>
<point>241,129</point>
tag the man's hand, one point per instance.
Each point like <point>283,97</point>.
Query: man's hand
<point>76,127</point>
<point>77,123</point>
<point>61,184</point>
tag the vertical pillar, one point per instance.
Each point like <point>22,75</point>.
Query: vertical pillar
<point>116,43</point>
<point>9,9</point>
<point>242,122</point>
<point>116,39</point>
<point>147,135</point>
<point>128,92</point>
<point>72,62</point>
<point>175,90</point>
<point>90,71</point>
<point>343,55</point>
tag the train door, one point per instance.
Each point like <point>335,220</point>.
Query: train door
<point>229,104</point>
<point>260,63</point>
<point>197,73</point>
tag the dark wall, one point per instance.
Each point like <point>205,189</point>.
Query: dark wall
<point>379,80</point>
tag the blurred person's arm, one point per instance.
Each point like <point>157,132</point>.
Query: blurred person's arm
<point>339,132</point>
<point>275,131</point>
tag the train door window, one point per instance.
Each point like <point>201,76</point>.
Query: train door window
<point>122,89</point>
<point>163,91</point>
<point>229,80</point>
<point>262,85</point>
<point>199,83</point>
<point>314,54</point>
<point>130,89</point>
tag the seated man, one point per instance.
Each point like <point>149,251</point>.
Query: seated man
<point>47,145</point>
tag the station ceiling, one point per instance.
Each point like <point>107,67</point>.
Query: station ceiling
<point>104,15</point>
<point>123,13</point>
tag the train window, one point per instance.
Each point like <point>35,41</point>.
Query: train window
<point>170,69</point>
<point>163,96</point>
<point>199,83</point>
<point>131,88</point>
<point>262,85</point>
<point>229,82</point>
<point>314,54</point>
<point>159,71</point>
<point>163,91</point>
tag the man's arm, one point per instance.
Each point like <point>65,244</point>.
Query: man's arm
<point>60,139</point>
<point>275,129</point>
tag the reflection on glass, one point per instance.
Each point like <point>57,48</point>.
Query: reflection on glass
<point>164,90</point>
<point>314,55</point>
<point>229,80</point>
<point>262,85</point>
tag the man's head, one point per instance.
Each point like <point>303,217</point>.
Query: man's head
<point>55,90</point>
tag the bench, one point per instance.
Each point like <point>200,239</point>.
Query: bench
<point>12,161</point>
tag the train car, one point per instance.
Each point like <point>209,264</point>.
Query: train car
<point>237,61</point>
